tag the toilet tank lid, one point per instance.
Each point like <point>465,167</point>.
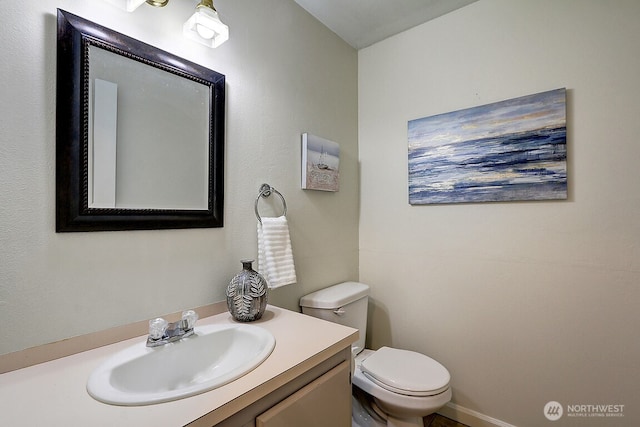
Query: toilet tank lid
<point>335,296</point>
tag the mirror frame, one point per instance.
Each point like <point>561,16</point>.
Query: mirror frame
<point>75,35</point>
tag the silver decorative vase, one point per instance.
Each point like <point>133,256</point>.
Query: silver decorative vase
<point>247,294</point>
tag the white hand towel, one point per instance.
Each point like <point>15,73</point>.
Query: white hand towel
<point>275,257</point>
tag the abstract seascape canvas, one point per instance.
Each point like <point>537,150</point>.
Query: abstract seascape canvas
<point>505,151</point>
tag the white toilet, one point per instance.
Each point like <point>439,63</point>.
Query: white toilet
<point>393,387</point>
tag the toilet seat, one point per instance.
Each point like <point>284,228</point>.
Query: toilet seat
<point>405,372</point>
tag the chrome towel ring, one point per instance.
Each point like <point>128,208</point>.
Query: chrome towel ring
<point>265,191</point>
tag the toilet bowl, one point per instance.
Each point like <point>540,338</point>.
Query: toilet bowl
<point>404,385</point>
<point>392,387</point>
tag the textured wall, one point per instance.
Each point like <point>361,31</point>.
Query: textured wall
<point>286,74</point>
<point>524,302</point>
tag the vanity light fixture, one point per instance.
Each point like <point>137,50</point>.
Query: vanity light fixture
<point>158,3</point>
<point>128,5</point>
<point>205,26</point>
<point>131,5</point>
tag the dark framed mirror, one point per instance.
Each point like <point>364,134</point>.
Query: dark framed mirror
<point>139,134</point>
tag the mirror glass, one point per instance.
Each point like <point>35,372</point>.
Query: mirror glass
<point>140,134</point>
<point>138,115</point>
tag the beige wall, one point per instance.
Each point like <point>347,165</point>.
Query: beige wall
<point>524,302</point>
<point>286,74</point>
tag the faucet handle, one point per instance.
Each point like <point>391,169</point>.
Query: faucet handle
<point>191,317</point>
<point>157,328</point>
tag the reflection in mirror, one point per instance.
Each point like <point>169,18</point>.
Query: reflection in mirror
<point>138,114</point>
<point>140,134</point>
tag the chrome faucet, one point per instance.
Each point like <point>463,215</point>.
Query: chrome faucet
<point>162,332</point>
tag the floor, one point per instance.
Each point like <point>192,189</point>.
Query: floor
<point>437,420</point>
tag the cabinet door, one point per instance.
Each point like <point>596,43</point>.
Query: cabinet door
<point>324,402</point>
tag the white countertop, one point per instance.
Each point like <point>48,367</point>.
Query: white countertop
<point>54,393</point>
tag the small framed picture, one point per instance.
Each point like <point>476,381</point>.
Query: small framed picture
<point>320,163</point>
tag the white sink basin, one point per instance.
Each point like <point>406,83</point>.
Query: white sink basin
<point>214,356</point>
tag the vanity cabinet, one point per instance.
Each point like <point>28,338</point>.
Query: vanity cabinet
<point>305,382</point>
<point>319,397</point>
<point>324,402</point>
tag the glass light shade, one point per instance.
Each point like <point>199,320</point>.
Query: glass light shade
<point>128,5</point>
<point>205,27</point>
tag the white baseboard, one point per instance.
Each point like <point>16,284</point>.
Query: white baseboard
<point>470,417</point>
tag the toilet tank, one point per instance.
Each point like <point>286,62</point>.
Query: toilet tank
<point>344,303</point>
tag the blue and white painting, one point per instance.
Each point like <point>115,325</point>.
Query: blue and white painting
<point>509,150</point>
